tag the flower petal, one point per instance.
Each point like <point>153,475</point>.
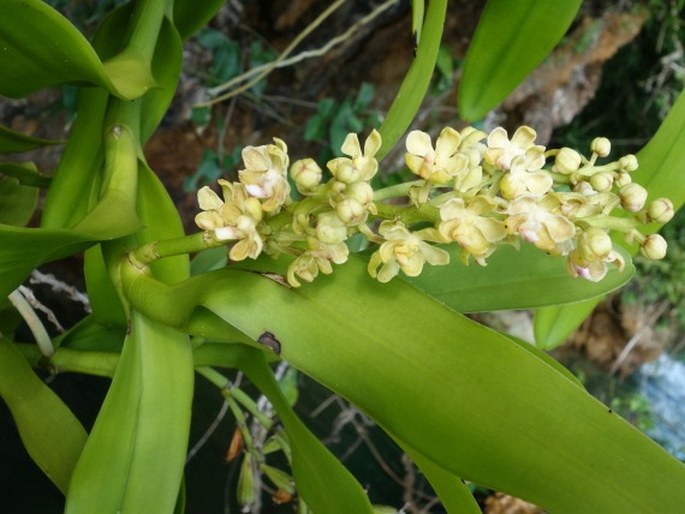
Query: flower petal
<point>372,143</point>
<point>524,137</point>
<point>448,143</point>
<point>419,143</point>
<point>351,146</point>
<point>388,271</point>
<point>498,138</point>
<point>208,199</point>
<point>256,157</point>
<point>435,256</point>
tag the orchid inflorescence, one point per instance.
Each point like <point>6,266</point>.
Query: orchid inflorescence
<point>474,189</point>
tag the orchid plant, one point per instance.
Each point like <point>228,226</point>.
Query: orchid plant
<point>489,222</point>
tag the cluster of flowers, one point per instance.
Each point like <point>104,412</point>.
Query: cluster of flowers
<point>475,189</point>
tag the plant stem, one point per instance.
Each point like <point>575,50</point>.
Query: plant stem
<point>155,250</point>
<point>395,191</point>
<point>611,222</point>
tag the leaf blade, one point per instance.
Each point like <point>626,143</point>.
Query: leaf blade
<point>511,39</point>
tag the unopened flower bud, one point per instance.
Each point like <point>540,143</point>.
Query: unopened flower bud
<point>330,229</point>
<point>601,146</point>
<point>623,179</point>
<point>653,247</point>
<point>594,244</point>
<point>584,188</point>
<point>306,174</point>
<point>628,163</point>
<point>602,181</point>
<point>361,191</point>
<point>567,161</point>
<point>350,211</point>
<point>660,210</point>
<point>633,197</point>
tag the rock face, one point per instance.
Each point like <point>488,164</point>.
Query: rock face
<point>564,84</point>
<point>620,339</point>
<point>500,503</point>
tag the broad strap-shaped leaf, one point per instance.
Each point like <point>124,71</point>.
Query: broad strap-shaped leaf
<point>24,249</point>
<point>316,471</point>
<point>661,160</point>
<point>554,324</point>
<point>499,416</point>
<point>511,39</point>
<point>166,68</point>
<point>41,48</point>
<point>661,168</point>
<point>50,432</point>
<point>513,279</point>
<point>133,459</point>
<point>26,173</point>
<point>190,16</point>
<point>112,216</point>
<point>69,196</point>
<point>12,141</point>
<point>452,491</point>
<point>415,84</point>
<point>17,201</point>
<point>130,73</point>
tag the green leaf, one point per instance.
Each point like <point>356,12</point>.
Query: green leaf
<point>24,249</point>
<point>190,16</point>
<point>315,469</point>
<point>17,201</point>
<point>500,416</point>
<point>513,279</point>
<point>67,200</point>
<point>113,216</point>
<point>166,68</point>
<point>130,73</point>
<point>661,160</point>
<point>553,325</point>
<point>12,142</point>
<point>26,173</point>
<point>50,432</point>
<point>453,493</point>
<point>415,84</point>
<point>40,48</point>
<point>511,39</point>
<point>142,428</point>
<point>418,8</point>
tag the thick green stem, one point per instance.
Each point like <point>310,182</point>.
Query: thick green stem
<point>155,250</point>
<point>409,214</point>
<point>395,191</point>
<point>625,225</point>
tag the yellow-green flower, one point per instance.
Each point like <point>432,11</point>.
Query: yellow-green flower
<point>592,254</point>
<point>234,218</point>
<point>437,165</point>
<point>501,151</point>
<point>317,258</point>
<point>265,174</point>
<point>519,180</point>
<point>359,166</point>
<point>404,250</point>
<point>466,225</point>
<point>539,221</point>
